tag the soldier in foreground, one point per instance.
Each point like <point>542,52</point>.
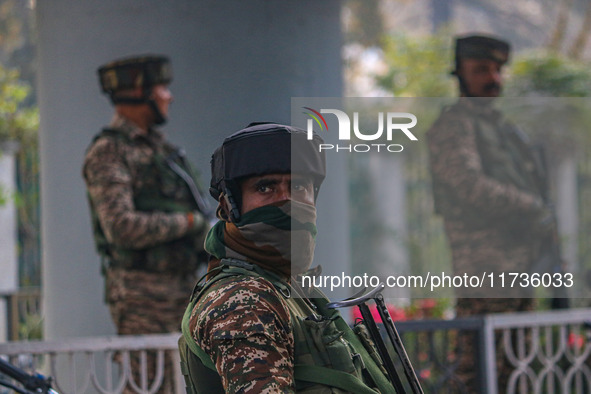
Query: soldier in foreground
<point>148,217</point>
<point>250,328</point>
<point>487,183</point>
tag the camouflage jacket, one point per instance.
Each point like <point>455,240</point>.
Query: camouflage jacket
<point>138,204</point>
<point>257,336</point>
<point>487,187</point>
<point>243,319</point>
<point>483,171</point>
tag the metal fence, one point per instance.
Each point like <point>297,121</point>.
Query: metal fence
<point>436,348</point>
<point>100,364</point>
<point>23,313</point>
<point>546,352</point>
<point>549,352</point>
<point>539,352</point>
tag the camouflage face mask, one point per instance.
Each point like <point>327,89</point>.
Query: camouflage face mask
<point>279,237</point>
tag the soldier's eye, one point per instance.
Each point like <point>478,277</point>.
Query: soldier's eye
<point>301,185</point>
<point>262,189</point>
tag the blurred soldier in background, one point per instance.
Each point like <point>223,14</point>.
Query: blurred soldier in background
<point>488,185</point>
<point>149,218</point>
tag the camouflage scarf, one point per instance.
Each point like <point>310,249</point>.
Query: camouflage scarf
<point>277,237</point>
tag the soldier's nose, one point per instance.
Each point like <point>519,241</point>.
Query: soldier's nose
<point>496,77</point>
<point>284,192</point>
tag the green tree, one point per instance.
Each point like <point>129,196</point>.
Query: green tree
<point>417,66</point>
<point>17,122</point>
<point>18,39</point>
<point>548,74</point>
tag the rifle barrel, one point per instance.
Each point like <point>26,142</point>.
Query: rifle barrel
<point>398,345</point>
<point>374,332</point>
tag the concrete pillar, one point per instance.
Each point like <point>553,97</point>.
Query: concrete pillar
<point>389,197</point>
<point>441,13</point>
<point>234,62</point>
<point>8,239</point>
<point>568,212</point>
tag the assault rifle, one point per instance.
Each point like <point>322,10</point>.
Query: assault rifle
<point>551,261</point>
<point>550,254</point>
<point>32,383</point>
<point>202,202</point>
<point>360,300</point>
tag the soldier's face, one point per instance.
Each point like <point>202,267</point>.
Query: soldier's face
<point>266,189</point>
<point>162,97</point>
<point>481,77</point>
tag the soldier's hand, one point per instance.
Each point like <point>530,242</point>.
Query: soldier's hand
<point>197,222</point>
<point>199,229</point>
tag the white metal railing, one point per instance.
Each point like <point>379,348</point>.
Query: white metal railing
<point>25,301</point>
<point>550,351</point>
<point>84,365</point>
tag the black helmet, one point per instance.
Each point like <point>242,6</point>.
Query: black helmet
<point>481,47</point>
<point>264,148</point>
<point>136,72</point>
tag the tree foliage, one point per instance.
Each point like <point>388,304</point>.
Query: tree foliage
<point>18,40</point>
<point>548,74</point>
<point>417,66</point>
<point>17,122</point>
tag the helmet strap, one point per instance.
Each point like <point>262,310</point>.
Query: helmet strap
<point>231,202</point>
<point>159,118</point>
<point>128,100</point>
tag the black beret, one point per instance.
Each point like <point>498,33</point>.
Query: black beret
<point>482,47</point>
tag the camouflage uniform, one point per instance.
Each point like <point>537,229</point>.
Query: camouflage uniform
<point>140,207</point>
<point>487,188</point>
<point>250,328</point>
<point>262,340</point>
<point>243,318</point>
<point>149,243</point>
<point>250,321</point>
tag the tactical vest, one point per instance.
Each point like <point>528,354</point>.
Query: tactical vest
<point>518,166</point>
<point>505,156</point>
<point>166,191</point>
<point>330,357</point>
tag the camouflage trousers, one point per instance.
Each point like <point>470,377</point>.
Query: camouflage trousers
<point>469,358</point>
<point>148,303</point>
